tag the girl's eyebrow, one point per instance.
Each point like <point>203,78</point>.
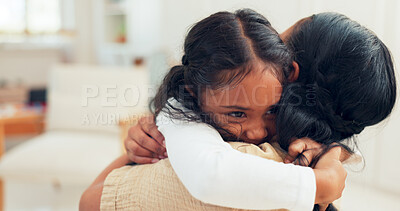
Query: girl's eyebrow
<point>237,107</point>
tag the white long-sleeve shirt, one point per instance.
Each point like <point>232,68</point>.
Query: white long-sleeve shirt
<point>215,173</point>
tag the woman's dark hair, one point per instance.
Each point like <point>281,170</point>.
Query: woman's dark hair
<point>346,82</point>
<point>219,51</point>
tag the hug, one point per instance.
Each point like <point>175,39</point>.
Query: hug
<point>253,119</point>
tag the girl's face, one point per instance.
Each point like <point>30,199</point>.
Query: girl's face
<point>247,109</point>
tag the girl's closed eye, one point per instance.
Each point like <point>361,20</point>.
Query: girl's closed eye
<point>236,114</point>
<point>272,110</point>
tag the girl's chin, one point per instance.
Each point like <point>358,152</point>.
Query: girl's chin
<point>255,142</point>
<point>230,137</point>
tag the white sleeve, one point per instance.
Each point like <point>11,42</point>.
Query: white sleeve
<point>215,173</point>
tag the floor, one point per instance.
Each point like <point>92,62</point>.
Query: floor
<point>22,196</point>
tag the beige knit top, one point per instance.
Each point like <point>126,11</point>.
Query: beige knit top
<point>157,187</point>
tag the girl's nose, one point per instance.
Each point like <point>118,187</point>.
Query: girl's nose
<point>257,135</point>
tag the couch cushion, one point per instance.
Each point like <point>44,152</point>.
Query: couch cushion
<point>71,157</point>
<point>95,98</point>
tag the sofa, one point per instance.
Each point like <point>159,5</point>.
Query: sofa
<point>82,136</point>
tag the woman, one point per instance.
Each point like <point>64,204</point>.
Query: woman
<point>253,136</point>
<point>346,82</point>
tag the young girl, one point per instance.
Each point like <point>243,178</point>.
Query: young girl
<point>242,109</point>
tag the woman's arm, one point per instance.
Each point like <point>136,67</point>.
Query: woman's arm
<point>91,198</point>
<point>215,173</point>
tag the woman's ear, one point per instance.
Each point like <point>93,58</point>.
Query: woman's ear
<point>295,72</point>
<point>190,91</point>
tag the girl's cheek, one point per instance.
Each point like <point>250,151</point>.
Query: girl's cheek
<point>226,123</point>
<point>234,129</point>
<point>221,119</point>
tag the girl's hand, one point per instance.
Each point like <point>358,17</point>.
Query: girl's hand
<point>329,166</point>
<point>305,146</point>
<point>309,149</point>
<point>145,144</point>
<point>330,177</point>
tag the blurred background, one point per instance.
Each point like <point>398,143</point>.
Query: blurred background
<point>74,74</point>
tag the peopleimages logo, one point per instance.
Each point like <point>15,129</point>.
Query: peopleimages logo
<point>109,119</point>
<point>109,104</point>
<point>101,119</point>
<point>113,95</point>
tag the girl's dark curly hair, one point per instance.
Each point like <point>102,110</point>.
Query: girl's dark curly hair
<point>219,51</point>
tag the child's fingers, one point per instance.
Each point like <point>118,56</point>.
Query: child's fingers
<point>295,148</point>
<point>149,126</point>
<point>143,140</point>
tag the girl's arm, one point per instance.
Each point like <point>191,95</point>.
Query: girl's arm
<point>215,173</point>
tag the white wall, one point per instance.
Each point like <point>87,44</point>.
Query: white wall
<point>27,66</point>
<point>83,45</point>
<point>30,60</point>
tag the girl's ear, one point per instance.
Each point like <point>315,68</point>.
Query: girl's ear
<point>295,73</point>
